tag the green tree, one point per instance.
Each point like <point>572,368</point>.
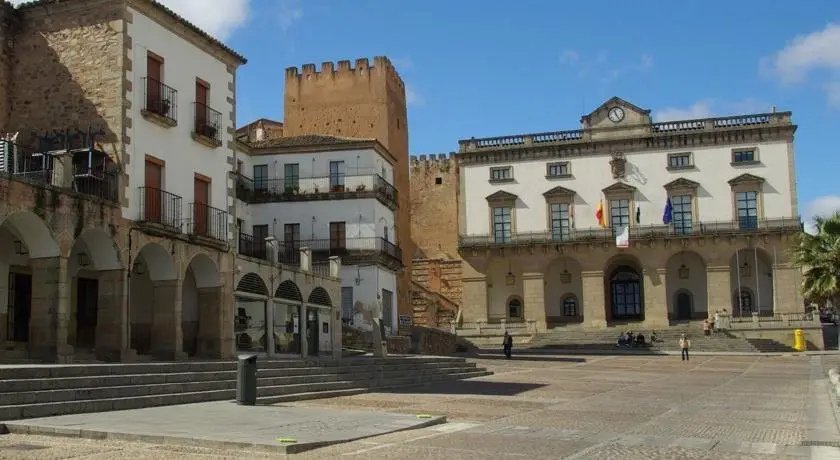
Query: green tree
<point>818,254</point>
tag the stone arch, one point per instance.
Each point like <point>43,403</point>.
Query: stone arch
<point>515,308</point>
<point>95,250</point>
<point>563,277</point>
<point>504,279</point>
<point>200,303</point>
<point>155,262</point>
<point>320,296</point>
<point>34,234</point>
<point>752,268</point>
<point>288,290</point>
<point>686,272</point>
<point>251,283</point>
<point>624,289</point>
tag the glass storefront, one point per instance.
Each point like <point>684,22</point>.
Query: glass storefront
<point>286,328</point>
<point>250,325</point>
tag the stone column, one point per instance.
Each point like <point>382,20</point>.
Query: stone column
<point>111,317</point>
<point>655,298</point>
<point>718,288</point>
<point>227,337</point>
<point>50,310</point>
<point>209,322</point>
<point>304,342</point>
<point>533,289</point>
<point>594,306</point>
<point>787,289</point>
<point>167,337</point>
<point>474,302</point>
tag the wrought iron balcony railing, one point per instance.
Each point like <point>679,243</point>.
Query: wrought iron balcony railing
<point>351,250</point>
<point>250,247</point>
<point>161,100</point>
<point>208,222</point>
<point>160,207</point>
<point>641,232</point>
<point>208,122</point>
<point>338,186</point>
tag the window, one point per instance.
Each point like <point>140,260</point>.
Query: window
<point>260,177</point>
<point>388,308</point>
<point>619,214</point>
<point>560,223</point>
<point>385,232</point>
<point>746,205</point>
<point>503,174</point>
<point>202,114</point>
<point>291,177</point>
<point>338,239</point>
<point>745,303</point>
<point>558,169</point>
<point>515,309</point>
<point>438,180</point>
<point>744,156</point>
<point>291,235</point>
<point>679,161</point>
<point>347,309</point>
<point>336,176</point>
<point>570,306</point>
<point>681,214</point>
<point>502,224</point>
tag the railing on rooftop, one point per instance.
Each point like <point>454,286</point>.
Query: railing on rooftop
<point>349,249</point>
<point>338,186</point>
<point>668,127</point>
<point>573,235</point>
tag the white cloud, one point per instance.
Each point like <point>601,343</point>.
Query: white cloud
<point>809,54</point>
<point>708,108</point>
<point>290,12</point>
<point>412,97</point>
<point>820,206</point>
<point>601,67</point>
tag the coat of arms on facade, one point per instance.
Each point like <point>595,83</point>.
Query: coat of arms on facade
<point>618,165</point>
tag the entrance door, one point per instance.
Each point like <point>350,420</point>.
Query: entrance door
<point>201,109</point>
<point>312,332</point>
<point>154,185</point>
<point>201,200</point>
<point>683,306</point>
<point>87,310</point>
<point>153,85</point>
<point>626,293</point>
<point>20,307</point>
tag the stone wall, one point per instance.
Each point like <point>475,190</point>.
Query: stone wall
<point>434,206</point>
<point>431,309</point>
<point>68,71</point>
<point>440,275</point>
<point>8,25</point>
<point>426,341</point>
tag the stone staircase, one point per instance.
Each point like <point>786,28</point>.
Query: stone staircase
<point>44,390</point>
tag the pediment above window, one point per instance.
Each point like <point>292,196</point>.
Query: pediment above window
<point>681,183</point>
<point>559,192</point>
<point>746,179</point>
<point>619,187</point>
<point>501,197</point>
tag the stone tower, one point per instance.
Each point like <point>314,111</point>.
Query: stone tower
<point>363,101</point>
<point>435,191</point>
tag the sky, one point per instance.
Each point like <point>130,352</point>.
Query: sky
<point>492,68</point>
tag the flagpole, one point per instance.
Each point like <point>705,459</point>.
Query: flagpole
<point>738,277</point>
<point>755,274</point>
<point>773,276</point>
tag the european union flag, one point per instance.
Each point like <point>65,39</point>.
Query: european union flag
<point>666,216</point>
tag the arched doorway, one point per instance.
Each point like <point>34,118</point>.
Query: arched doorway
<point>153,279</point>
<point>683,305</point>
<point>743,304</point>
<point>287,314</point>
<point>515,311</point>
<point>318,338</point>
<point>26,244</point>
<point>249,325</point>
<point>200,304</point>
<point>94,261</point>
<point>626,294</point>
<point>751,271</point>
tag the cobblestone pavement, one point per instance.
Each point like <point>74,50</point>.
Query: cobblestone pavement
<point>547,407</point>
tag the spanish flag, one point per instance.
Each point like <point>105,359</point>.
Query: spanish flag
<point>599,214</point>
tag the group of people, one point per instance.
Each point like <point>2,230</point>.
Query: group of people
<point>629,339</point>
<point>716,323</point>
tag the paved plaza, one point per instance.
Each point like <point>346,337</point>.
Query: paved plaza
<point>579,407</point>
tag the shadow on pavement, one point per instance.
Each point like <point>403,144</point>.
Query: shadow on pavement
<point>470,387</point>
<point>525,356</point>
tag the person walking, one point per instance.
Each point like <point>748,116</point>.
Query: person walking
<point>507,344</point>
<point>685,344</point>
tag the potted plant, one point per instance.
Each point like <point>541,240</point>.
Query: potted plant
<point>360,188</point>
<point>210,131</point>
<point>164,106</point>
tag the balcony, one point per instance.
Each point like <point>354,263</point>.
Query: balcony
<point>83,170</point>
<point>161,103</point>
<point>336,187</point>
<point>160,209</point>
<point>208,222</point>
<point>352,251</point>
<point>750,225</point>
<point>207,126</point>
<point>252,248</point>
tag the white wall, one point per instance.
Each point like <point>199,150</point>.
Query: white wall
<point>183,63</point>
<point>372,281</point>
<point>357,163</point>
<point>365,218</point>
<point>645,170</point>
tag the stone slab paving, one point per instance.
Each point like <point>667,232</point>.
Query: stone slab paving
<point>228,425</point>
<point>599,407</point>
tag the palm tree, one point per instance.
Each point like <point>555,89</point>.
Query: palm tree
<point>818,255</point>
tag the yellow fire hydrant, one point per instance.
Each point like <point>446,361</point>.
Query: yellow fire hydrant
<point>798,340</point>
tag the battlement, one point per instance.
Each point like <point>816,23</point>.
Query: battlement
<point>433,160</point>
<point>343,69</point>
